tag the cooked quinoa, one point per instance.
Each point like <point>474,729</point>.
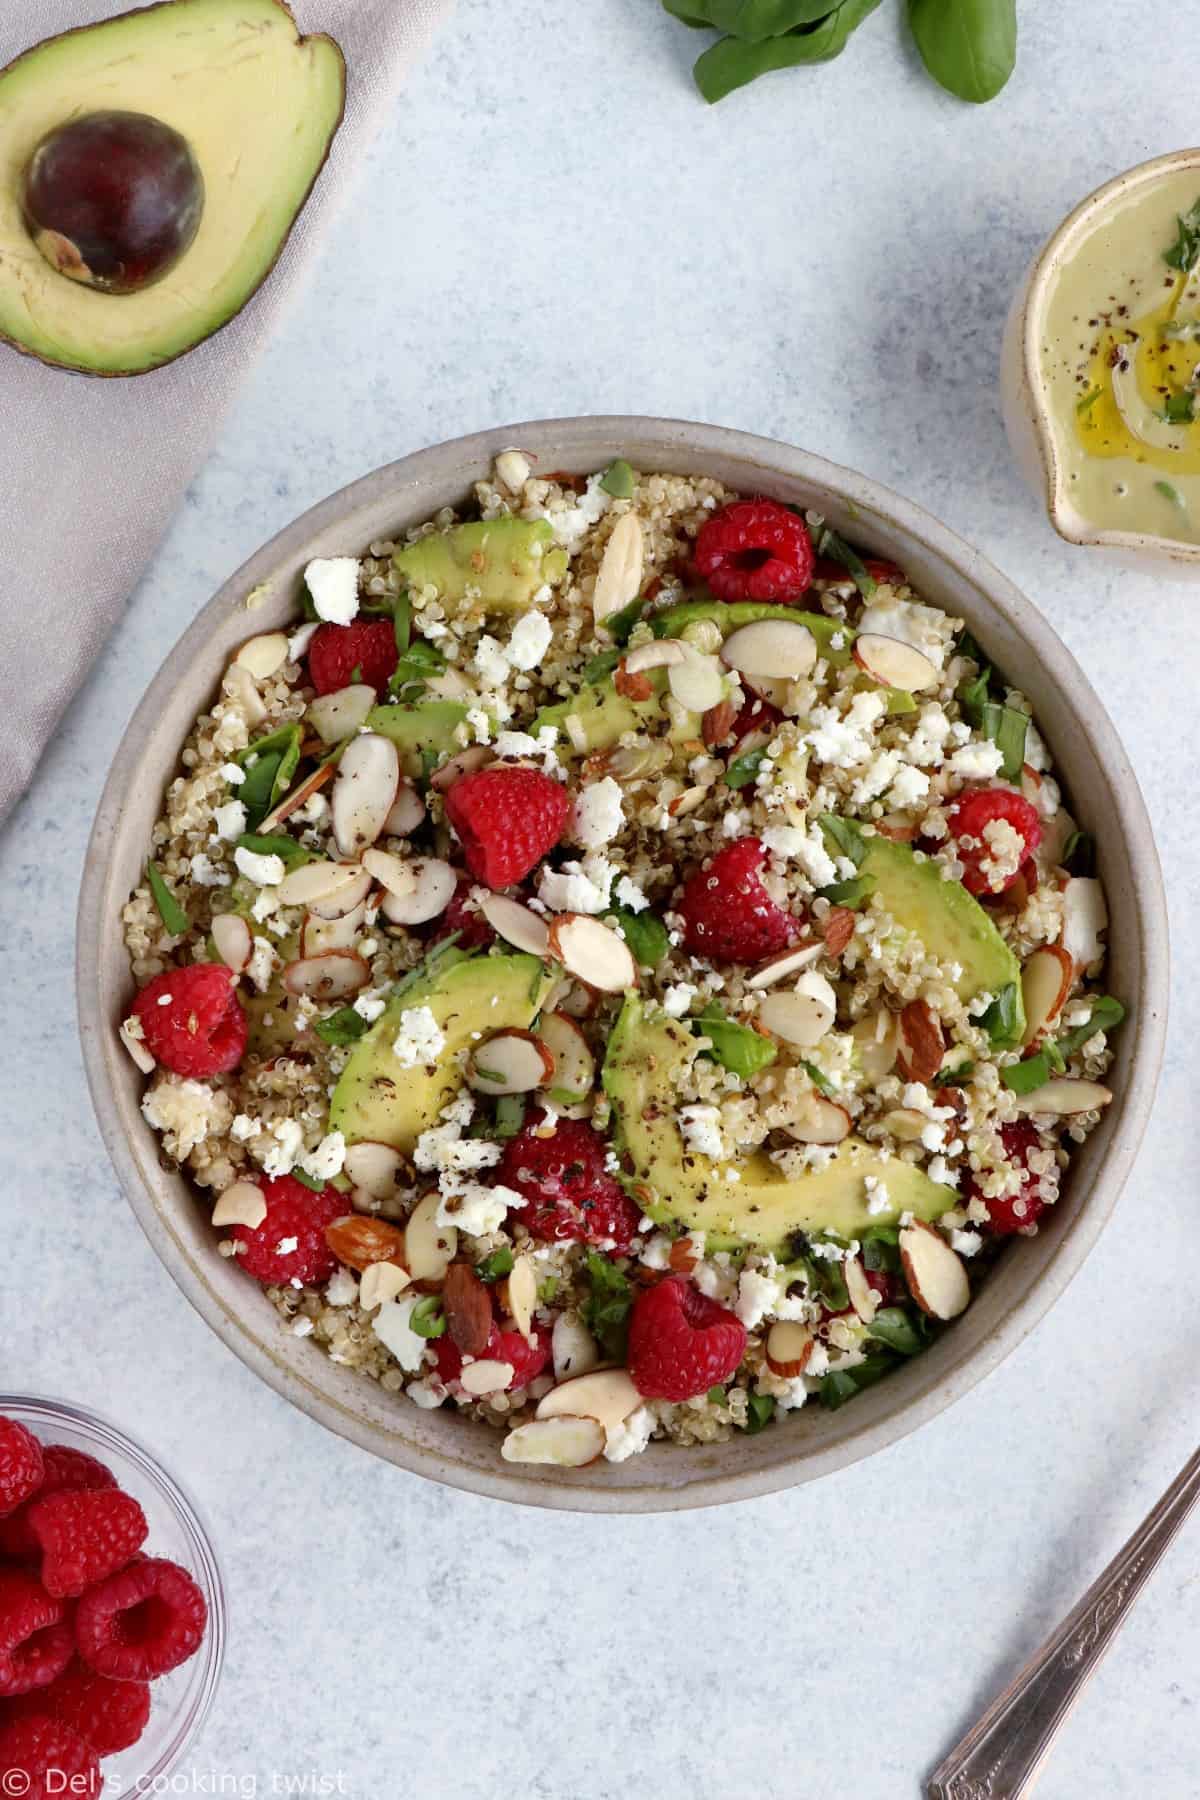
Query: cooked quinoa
<point>836,762</point>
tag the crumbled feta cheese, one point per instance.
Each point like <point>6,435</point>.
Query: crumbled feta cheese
<point>341,1288</point>
<point>370,1004</point>
<point>630,1437</point>
<point>597,815</point>
<point>629,894</point>
<point>233,772</point>
<point>967,1243</point>
<point>928,740</point>
<point>939,1171</point>
<point>490,663</point>
<point>759,1293</point>
<point>283,1155</point>
<point>876,777</point>
<point>204,872</point>
<point>573,888</point>
<point>701,1128</point>
<point>230,820</point>
<point>480,723</point>
<point>333,583</point>
<point>444,1148</point>
<point>477,1209</point>
<point>419,1039</point>
<point>261,964</point>
<point>287,1246</point>
<point>427,1394</point>
<point>185,1111</point>
<point>878,1198</point>
<point>678,998</point>
<point>300,640</point>
<point>805,848</point>
<point>529,641</point>
<point>327,1159</point>
<point>977,762</point>
<point>264,871</point>
<point>909,786</point>
<point>265,903</point>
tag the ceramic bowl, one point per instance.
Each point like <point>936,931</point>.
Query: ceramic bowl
<point>1030,1275</point>
<point>179,1701</point>
<point>1024,394</point>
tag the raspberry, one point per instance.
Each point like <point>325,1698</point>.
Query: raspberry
<point>681,1343</point>
<point>191,1020</point>
<point>968,820</point>
<point>755,550</point>
<point>1009,1213</point>
<point>22,1466</point>
<point>528,1360</point>
<point>141,1622</point>
<point>474,932</point>
<point>568,1190</point>
<point>507,819</point>
<point>109,1715</point>
<point>363,651</point>
<point>290,1243</point>
<point>756,715</point>
<point>728,914</point>
<point>41,1756</point>
<point>85,1536</point>
<point>66,1470</point>
<point>35,1644</point>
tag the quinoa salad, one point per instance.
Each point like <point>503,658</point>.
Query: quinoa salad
<point>618,964</point>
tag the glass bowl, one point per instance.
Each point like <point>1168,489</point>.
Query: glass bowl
<point>179,1701</point>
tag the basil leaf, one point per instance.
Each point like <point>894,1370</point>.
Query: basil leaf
<point>718,1395</point>
<point>760,1410</point>
<point>499,1263</point>
<point>730,63</point>
<point>818,1078</point>
<point>169,909</point>
<point>831,1283</point>
<point>1089,400</point>
<point>736,1047</point>
<point>599,668</point>
<point>619,624</point>
<point>953,1075</point>
<point>269,762</point>
<point>1028,1075</point>
<point>1178,409</point>
<point>750,20</point>
<point>968,46</point>
<point>967,645</point>
<point>1001,1018</point>
<point>427,1318</point>
<point>645,934</point>
<point>1079,854</point>
<point>841,1385</point>
<point>845,837</point>
<point>899,1330</point>
<point>609,1303</point>
<point>853,894</point>
<point>1007,728</point>
<point>743,769</point>
<point>345,1026</point>
<point>618,479</point>
<point>308,1181</point>
<point>276,843</point>
<point>838,550</point>
<point>881,1250</point>
<point>1106,1015</point>
<point>1185,251</point>
<point>973,696</point>
<point>1171,493</point>
<point>416,665</point>
<point>510,1115</point>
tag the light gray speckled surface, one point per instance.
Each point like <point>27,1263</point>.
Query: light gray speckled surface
<point>555,223</point>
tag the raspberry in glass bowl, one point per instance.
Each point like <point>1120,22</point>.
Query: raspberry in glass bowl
<point>69,1544</point>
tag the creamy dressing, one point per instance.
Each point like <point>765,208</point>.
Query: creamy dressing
<point>1120,358</point>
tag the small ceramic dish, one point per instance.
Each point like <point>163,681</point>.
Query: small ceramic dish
<point>1034,425</point>
<point>180,1701</point>
<point>443,1444</point>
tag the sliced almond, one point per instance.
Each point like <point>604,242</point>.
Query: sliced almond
<point>137,1049</point>
<point>1064,1096</point>
<point>863,1297</point>
<point>788,962</point>
<point>345,900</point>
<point>432,889</point>
<point>376,1169</point>
<point>573,1348</point>
<point>935,1273</point>
<point>779,649</point>
<point>234,940</point>
<point>316,881</point>
<point>364,791</point>
<point>920,1046</point>
<point>1056,834</point>
<point>686,802</point>
<point>815,1120</point>
<point>789,1346</point>
<point>838,928</point>
<point>393,873</point>
<point>465,762</point>
<point>896,828</point>
<point>488,1376</point>
<point>775,691</point>
<point>683,1256</point>
<point>801,1015</point>
<point>592,952</point>
<point>339,715</point>
<point>242,1203</point>
<point>516,924</point>
<point>1045,983</point>
<point>607,1395</point>
<point>662,653</point>
<point>509,1062</point>
<point>619,577</point>
<point>717,723</point>
<point>381,1281</point>
<point>238,684</point>
<point>319,935</point>
<point>894,664</point>
<point>407,814</point>
<point>299,796</point>
<point>696,682</point>
<point>335,975</point>
<point>263,656</point>
<point>562,1442</point>
<point>573,1073</point>
<point>429,1248</point>
<point>877,1038</point>
<point>1085,917</point>
<point>521,1295</point>
<point>1031,783</point>
<point>468,1308</point>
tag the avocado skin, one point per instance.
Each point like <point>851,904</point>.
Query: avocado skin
<point>506,559</point>
<point>378,1100</point>
<point>149,60</point>
<point>648,1054</point>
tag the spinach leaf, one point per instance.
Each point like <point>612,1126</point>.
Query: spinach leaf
<point>730,63</point>
<point>900,1330</point>
<point>1185,251</point>
<point>645,934</point>
<point>609,1303</point>
<point>735,1047</point>
<point>968,46</point>
<point>750,20</point>
<point>845,837</point>
<point>169,909</point>
<point>342,1027</point>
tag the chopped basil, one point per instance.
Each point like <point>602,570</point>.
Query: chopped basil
<point>900,1330</point>
<point>269,762</point>
<point>1185,251</point>
<point>853,893</point>
<point>619,625</point>
<point>308,1181</point>
<point>838,550</point>
<point>953,1075</point>
<point>743,769</point>
<point>736,1047</point>
<point>599,668</point>
<point>1026,1076</point>
<point>1000,1019</point>
<point>830,1283</point>
<point>1007,728</point>
<point>967,645</point>
<point>547,1289</point>
<point>427,1318</point>
<point>1034,1071</point>
<point>760,1410</point>
<point>1079,854</point>
<point>1178,409</point>
<point>818,1078</point>
<point>1106,1015</point>
<point>845,837</point>
<point>412,672</point>
<point>345,1026</point>
<point>881,1250</point>
<point>1089,400</point>
<point>1171,493</point>
<point>645,934</point>
<point>499,1263</point>
<point>169,909</point>
<point>618,479</point>
<point>609,1303</point>
<point>444,955</point>
<point>275,843</point>
<point>841,1385</point>
<point>510,1115</point>
<point>717,1395</point>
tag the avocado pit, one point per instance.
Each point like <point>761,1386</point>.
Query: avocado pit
<point>113,200</point>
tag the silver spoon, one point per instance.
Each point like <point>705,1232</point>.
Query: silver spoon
<point>1000,1756</point>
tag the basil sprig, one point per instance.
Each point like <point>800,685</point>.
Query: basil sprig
<point>1035,1071</point>
<point>743,769</point>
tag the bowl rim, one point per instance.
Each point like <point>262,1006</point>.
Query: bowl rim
<point>1068,522</point>
<point>762,458</point>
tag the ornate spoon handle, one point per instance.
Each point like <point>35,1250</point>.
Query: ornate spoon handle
<point>1000,1756</point>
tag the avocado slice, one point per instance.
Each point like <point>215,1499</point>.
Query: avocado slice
<point>505,560</point>
<point>258,106</point>
<point>604,717</point>
<point>430,725</point>
<point>648,1056</point>
<point>949,921</point>
<point>379,1100</point>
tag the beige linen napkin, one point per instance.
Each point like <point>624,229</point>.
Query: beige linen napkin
<point>91,471</point>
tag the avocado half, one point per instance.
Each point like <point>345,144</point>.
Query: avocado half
<point>259,106</point>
